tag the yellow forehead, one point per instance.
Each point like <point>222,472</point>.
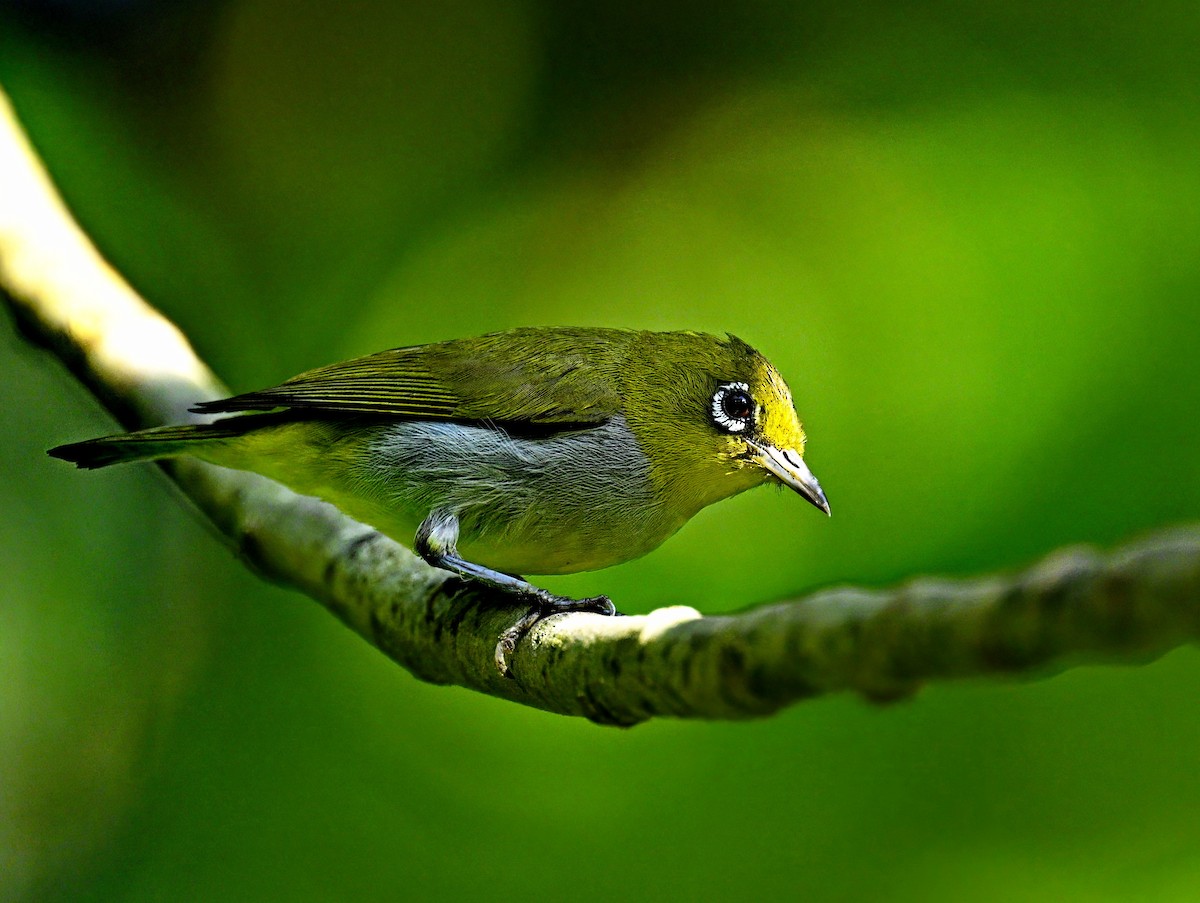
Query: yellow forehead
<point>777,422</point>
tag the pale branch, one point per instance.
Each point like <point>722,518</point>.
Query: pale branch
<point>1076,605</point>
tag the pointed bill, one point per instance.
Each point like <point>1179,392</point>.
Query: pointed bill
<point>789,468</point>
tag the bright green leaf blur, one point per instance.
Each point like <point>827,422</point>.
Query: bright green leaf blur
<point>968,235</point>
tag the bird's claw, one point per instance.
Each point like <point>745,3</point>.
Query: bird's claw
<point>544,605</point>
<point>601,605</point>
<point>507,644</point>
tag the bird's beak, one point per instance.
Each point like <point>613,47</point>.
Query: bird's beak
<point>789,468</point>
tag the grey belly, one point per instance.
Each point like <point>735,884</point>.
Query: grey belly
<point>573,501</point>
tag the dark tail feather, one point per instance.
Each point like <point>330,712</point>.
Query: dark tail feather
<point>144,445</point>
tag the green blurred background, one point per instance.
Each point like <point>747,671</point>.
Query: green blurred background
<point>968,234</point>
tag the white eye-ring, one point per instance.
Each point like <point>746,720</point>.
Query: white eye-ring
<point>732,407</point>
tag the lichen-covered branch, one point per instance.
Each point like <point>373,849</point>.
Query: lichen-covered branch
<point>1076,605</point>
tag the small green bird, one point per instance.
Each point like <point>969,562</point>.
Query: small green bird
<point>539,450</point>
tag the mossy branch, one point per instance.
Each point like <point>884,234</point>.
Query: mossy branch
<point>1076,605</point>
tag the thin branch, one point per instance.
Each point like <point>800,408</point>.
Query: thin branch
<point>1075,605</point>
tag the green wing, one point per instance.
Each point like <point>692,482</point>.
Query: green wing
<point>537,376</point>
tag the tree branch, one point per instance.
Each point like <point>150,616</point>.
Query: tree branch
<point>1143,599</point>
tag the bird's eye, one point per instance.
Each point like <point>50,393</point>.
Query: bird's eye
<point>732,407</point>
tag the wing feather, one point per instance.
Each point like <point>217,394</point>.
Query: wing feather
<point>533,376</point>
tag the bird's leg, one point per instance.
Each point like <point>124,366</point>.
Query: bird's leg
<point>437,543</point>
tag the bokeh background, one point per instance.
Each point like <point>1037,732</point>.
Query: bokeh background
<point>968,234</point>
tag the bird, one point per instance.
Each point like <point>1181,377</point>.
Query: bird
<point>539,450</point>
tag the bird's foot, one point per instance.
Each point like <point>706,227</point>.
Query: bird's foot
<point>544,605</point>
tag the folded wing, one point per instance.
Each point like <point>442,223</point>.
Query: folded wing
<point>539,377</point>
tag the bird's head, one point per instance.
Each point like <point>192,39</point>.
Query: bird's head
<point>717,419</point>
